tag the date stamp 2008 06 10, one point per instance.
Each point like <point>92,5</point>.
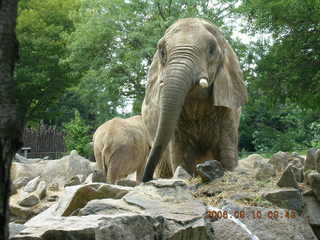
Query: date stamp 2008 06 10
<point>272,214</point>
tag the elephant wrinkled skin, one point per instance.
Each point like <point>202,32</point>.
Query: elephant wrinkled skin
<point>193,99</point>
<point>121,148</point>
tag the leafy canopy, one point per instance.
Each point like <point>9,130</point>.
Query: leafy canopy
<point>40,74</point>
<point>288,70</point>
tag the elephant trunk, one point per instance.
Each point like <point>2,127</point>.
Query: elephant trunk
<point>176,84</point>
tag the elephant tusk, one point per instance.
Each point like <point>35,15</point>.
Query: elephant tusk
<point>203,83</point>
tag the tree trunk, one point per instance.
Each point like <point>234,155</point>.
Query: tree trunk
<point>10,129</point>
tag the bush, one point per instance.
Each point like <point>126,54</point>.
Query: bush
<point>77,135</point>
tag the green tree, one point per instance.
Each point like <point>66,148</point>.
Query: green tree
<point>77,135</point>
<point>40,74</point>
<point>288,70</point>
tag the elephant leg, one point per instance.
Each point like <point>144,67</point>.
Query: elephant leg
<point>113,170</point>
<point>180,156</point>
<point>99,159</point>
<point>228,145</point>
<point>139,173</point>
<point>111,175</point>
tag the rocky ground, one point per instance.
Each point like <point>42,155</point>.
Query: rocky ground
<point>276,198</point>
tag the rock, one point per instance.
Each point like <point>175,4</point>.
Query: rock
<point>15,228</point>
<point>98,176</point>
<point>267,227</point>
<point>127,183</point>
<point>41,190</point>
<point>54,187</point>
<point>21,159</point>
<point>21,182</point>
<point>244,196</point>
<point>312,161</point>
<point>75,180</point>
<point>288,198</point>
<point>279,160</point>
<point>259,162</point>
<point>251,161</point>
<point>312,210</point>
<point>296,160</point>
<point>181,173</point>
<point>159,209</point>
<point>61,228</point>
<point>76,197</point>
<point>13,189</point>
<point>314,181</point>
<point>297,172</point>
<point>227,229</point>
<point>131,227</point>
<point>265,171</point>
<point>32,185</point>
<point>89,179</point>
<point>230,206</point>
<point>22,213</point>
<point>210,170</point>
<point>54,171</point>
<point>288,178</point>
<point>211,192</point>
<point>108,207</point>
<point>53,198</point>
<point>29,201</point>
<point>297,155</point>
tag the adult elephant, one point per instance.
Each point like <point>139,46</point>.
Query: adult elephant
<point>194,94</point>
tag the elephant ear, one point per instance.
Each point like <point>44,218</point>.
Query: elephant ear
<point>152,79</point>
<point>229,89</point>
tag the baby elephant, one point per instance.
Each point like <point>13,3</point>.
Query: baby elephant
<point>121,148</point>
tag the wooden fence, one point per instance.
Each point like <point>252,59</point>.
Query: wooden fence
<point>44,141</point>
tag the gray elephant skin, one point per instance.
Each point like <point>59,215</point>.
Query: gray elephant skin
<point>193,99</point>
<point>121,148</point>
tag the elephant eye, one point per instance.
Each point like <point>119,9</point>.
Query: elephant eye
<point>211,50</point>
<point>162,54</point>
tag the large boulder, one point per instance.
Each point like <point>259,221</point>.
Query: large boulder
<point>210,170</point>
<point>312,213</point>
<point>76,197</point>
<point>314,181</point>
<point>57,171</point>
<point>312,161</point>
<point>288,178</point>
<point>181,173</point>
<point>252,161</point>
<point>263,224</point>
<point>32,185</point>
<point>264,171</point>
<point>280,160</point>
<point>160,209</point>
<point>288,198</point>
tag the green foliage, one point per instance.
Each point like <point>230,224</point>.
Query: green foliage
<point>77,135</point>
<point>41,76</point>
<point>288,71</point>
<point>283,77</point>
<point>315,129</point>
